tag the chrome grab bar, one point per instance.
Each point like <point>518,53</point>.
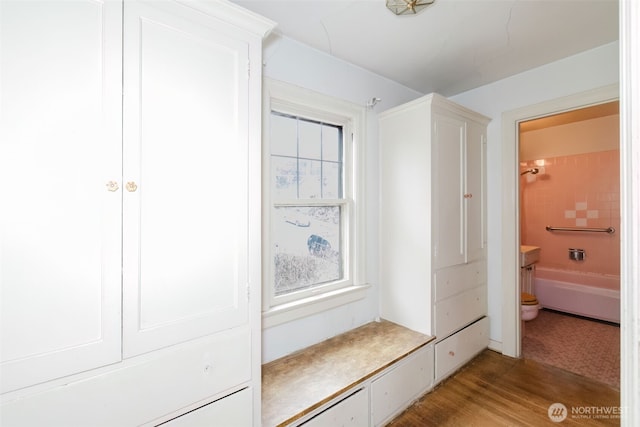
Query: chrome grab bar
<point>609,230</point>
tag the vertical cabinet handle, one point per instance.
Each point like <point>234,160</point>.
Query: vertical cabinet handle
<point>131,186</point>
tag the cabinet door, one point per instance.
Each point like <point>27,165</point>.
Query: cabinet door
<point>60,131</point>
<point>475,188</point>
<point>185,157</point>
<point>448,190</point>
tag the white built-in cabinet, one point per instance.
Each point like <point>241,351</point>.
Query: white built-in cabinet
<point>130,255</point>
<point>433,225</point>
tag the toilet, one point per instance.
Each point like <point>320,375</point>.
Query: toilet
<point>529,306</point>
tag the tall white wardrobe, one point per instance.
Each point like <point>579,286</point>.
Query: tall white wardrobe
<point>130,219</point>
<point>433,242</point>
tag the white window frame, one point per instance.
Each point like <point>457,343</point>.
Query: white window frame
<point>296,101</point>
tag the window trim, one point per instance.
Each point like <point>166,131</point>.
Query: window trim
<point>289,99</point>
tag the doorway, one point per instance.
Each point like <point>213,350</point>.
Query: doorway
<point>569,197</point>
<point>511,330</point>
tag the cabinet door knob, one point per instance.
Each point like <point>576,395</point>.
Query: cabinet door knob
<point>468,196</point>
<point>112,186</point>
<point>131,186</point>
<point>451,353</point>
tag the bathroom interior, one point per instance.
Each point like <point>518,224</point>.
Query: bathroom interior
<point>570,245</point>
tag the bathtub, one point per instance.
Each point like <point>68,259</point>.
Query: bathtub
<point>586,294</point>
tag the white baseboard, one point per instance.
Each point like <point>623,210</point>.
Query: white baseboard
<point>495,346</point>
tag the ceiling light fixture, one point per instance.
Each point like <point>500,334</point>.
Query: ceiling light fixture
<point>407,7</point>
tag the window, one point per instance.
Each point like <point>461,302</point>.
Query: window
<point>312,250</point>
<point>307,171</point>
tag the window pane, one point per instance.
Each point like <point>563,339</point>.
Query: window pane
<point>284,171</point>
<point>331,180</point>
<point>310,179</point>
<point>331,143</point>
<point>309,134</point>
<point>284,135</point>
<point>306,247</point>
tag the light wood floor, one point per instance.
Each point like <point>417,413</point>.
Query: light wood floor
<point>495,390</point>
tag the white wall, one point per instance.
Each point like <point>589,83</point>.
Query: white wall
<point>579,73</point>
<point>587,136</point>
<point>295,63</point>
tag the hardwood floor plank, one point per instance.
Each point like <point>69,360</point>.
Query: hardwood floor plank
<point>495,390</point>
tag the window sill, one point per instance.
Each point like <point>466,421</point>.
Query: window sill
<point>318,303</point>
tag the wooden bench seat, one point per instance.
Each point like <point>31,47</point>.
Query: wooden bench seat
<point>298,384</point>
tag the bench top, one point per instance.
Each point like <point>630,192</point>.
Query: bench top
<point>299,383</point>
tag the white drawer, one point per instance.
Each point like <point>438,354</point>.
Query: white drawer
<point>150,388</point>
<point>458,349</point>
<point>230,411</point>
<point>460,310</point>
<point>453,280</point>
<point>397,388</point>
<point>353,411</point>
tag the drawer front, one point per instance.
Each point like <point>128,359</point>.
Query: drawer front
<point>460,310</point>
<point>397,388</point>
<point>153,387</point>
<point>231,411</point>
<point>454,280</point>
<point>196,371</point>
<point>353,411</point>
<point>458,349</point>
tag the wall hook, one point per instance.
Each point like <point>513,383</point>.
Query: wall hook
<point>372,102</point>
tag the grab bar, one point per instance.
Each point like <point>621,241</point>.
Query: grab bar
<point>609,230</point>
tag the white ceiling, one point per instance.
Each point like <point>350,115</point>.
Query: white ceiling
<point>451,46</point>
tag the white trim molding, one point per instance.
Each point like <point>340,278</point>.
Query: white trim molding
<point>630,211</point>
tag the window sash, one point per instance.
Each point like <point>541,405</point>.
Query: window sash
<point>341,245</point>
<point>304,145</point>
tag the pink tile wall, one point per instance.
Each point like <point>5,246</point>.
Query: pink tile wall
<point>580,190</point>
